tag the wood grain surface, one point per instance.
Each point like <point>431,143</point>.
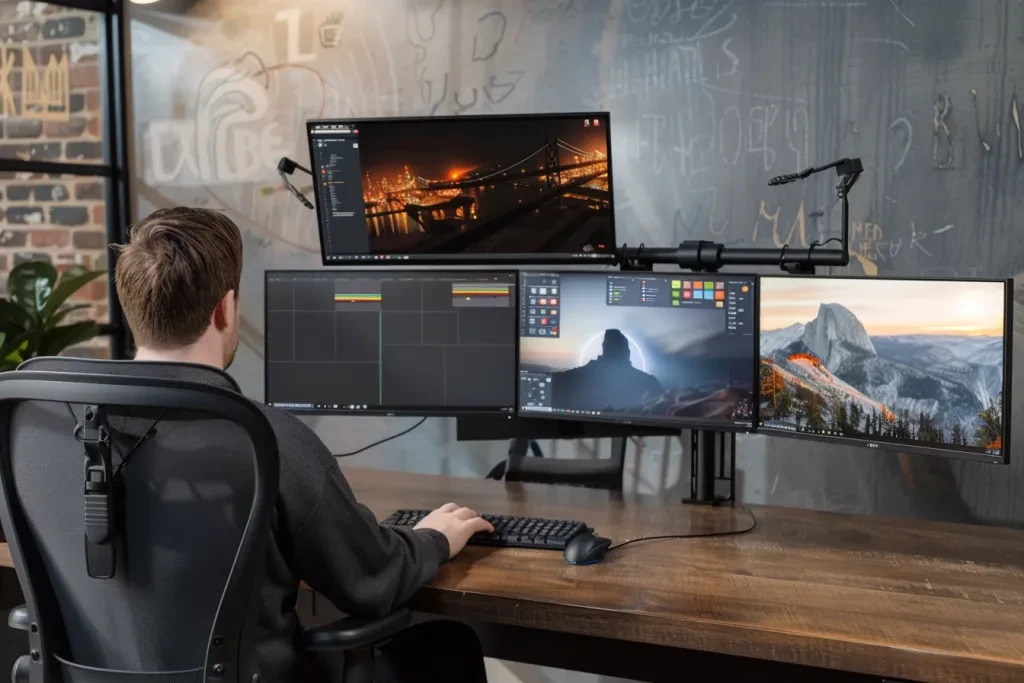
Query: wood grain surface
<point>887,597</point>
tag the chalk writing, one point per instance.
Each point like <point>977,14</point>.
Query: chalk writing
<point>941,138</point>
<point>903,141</point>
<point>497,91</point>
<point>1016,122</point>
<point>761,120</point>
<point>702,18</point>
<point>478,81</point>
<point>977,121</point>
<point>699,136</point>
<point>460,106</point>
<point>917,238</point>
<point>489,35</point>
<point>227,140</point>
<point>330,30</point>
<point>292,19</point>
<point>799,226</point>
<point>901,13</point>
<point>886,41</point>
<point>798,135</point>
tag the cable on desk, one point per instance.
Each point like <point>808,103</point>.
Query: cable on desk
<point>731,532</point>
<point>377,443</point>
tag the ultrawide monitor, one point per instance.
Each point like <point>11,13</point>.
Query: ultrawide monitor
<point>653,349</point>
<point>396,342</point>
<point>466,189</point>
<point>913,365</point>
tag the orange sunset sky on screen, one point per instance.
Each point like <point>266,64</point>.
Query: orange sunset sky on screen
<point>888,308</point>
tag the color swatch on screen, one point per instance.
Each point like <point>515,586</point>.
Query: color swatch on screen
<point>366,298</point>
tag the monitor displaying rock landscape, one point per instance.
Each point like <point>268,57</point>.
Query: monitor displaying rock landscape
<point>916,364</point>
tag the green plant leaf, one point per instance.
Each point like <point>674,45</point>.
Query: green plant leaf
<point>71,281</point>
<point>30,284</point>
<point>12,350</point>
<point>14,317</point>
<point>53,341</point>
<point>64,312</point>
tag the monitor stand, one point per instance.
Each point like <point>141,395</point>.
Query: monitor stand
<point>712,467</point>
<point>523,433</point>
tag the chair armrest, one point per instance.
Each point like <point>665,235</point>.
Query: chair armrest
<point>19,618</point>
<point>352,633</point>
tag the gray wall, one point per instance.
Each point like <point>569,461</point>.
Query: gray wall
<point>708,99</point>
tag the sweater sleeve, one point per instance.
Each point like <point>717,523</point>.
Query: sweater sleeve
<point>341,551</point>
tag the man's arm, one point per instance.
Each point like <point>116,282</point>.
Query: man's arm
<point>340,550</point>
<point>363,568</point>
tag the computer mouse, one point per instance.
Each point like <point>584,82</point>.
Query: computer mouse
<point>586,548</point>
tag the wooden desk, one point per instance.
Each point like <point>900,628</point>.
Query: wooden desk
<point>885,597</point>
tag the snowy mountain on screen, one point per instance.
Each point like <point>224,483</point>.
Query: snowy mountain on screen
<point>948,377</point>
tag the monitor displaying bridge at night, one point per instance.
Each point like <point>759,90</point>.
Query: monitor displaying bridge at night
<point>482,188</point>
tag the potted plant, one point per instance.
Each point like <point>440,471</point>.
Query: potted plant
<point>31,316</point>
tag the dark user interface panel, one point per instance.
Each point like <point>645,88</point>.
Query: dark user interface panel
<point>394,342</point>
<point>913,365</point>
<point>493,188</point>
<point>638,348</point>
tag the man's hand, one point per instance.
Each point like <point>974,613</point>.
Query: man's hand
<point>457,524</point>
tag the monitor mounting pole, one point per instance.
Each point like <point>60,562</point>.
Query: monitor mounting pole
<point>703,256</point>
<point>713,452</point>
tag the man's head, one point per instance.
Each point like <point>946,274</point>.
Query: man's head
<point>615,346</point>
<point>177,281</point>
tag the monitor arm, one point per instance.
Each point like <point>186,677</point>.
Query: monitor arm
<point>706,256</point>
<point>285,168</point>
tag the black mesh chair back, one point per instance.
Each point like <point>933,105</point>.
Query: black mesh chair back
<point>193,478</point>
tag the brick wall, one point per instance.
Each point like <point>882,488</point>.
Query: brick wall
<point>61,219</point>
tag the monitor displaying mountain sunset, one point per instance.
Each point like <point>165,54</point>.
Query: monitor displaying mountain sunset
<point>918,363</point>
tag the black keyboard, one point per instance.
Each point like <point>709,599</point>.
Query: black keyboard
<point>509,531</point>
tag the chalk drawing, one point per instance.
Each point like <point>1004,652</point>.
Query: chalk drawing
<point>908,139</point>
<point>940,131</point>
<point>292,19</point>
<point>489,35</point>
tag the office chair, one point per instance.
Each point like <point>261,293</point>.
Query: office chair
<point>139,565</point>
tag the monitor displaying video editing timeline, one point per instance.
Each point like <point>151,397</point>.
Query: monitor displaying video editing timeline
<point>911,365</point>
<point>639,348</point>
<point>484,189</point>
<point>396,342</point>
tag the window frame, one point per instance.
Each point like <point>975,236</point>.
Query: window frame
<point>115,170</point>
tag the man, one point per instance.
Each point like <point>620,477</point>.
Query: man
<point>177,281</point>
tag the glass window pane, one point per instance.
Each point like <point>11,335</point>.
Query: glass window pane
<point>51,94</point>
<point>62,220</point>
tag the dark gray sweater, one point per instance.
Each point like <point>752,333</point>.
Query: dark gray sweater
<point>324,537</point>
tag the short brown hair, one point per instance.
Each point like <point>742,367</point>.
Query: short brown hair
<point>178,264</point>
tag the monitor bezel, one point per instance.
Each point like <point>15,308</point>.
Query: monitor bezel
<point>673,423</point>
<point>908,448</point>
<point>413,411</point>
<point>468,259</point>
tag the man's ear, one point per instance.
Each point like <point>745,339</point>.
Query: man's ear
<point>224,312</point>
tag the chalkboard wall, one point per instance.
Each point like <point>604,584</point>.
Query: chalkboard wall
<point>708,98</point>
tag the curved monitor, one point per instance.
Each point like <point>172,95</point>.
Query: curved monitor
<point>639,348</point>
<point>914,365</point>
<point>466,189</point>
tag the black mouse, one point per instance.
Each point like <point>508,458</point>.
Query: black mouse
<point>586,548</point>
